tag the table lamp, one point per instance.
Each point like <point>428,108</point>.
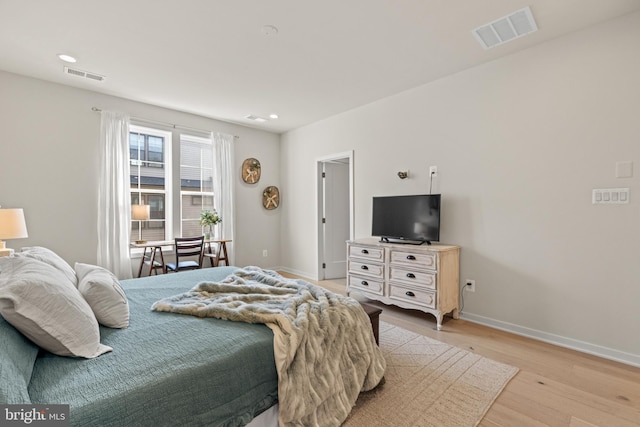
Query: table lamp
<point>140,213</point>
<point>12,226</point>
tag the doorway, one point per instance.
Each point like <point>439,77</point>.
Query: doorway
<point>335,214</point>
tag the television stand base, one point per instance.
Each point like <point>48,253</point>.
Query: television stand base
<point>404,242</point>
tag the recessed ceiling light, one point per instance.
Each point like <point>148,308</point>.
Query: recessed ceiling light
<point>273,116</point>
<point>67,58</point>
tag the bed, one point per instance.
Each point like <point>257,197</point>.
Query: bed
<point>164,369</point>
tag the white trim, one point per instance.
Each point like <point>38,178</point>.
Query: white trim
<point>573,344</point>
<point>319,235</point>
<point>319,204</point>
<point>303,274</point>
<point>344,155</point>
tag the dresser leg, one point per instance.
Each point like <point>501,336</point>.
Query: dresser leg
<point>439,322</point>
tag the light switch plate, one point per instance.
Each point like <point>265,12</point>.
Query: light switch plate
<point>610,196</point>
<point>624,169</point>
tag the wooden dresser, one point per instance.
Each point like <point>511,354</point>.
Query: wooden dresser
<point>424,277</point>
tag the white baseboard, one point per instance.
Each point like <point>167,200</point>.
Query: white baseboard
<point>582,346</point>
<point>302,274</point>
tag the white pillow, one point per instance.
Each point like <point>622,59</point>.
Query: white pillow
<point>51,258</point>
<point>39,301</point>
<point>104,294</point>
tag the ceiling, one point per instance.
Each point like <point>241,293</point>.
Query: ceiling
<point>215,59</point>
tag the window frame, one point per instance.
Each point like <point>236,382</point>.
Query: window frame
<point>172,166</point>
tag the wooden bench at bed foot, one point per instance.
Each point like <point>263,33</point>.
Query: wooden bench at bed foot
<point>374,317</point>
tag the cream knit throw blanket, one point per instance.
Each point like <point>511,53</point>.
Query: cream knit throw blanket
<point>324,348</point>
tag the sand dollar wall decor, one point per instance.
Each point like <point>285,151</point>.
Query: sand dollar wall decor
<point>271,197</point>
<point>251,170</point>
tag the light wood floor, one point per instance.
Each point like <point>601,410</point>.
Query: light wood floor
<point>555,386</point>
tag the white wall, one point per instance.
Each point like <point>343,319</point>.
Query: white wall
<point>48,163</point>
<point>520,143</point>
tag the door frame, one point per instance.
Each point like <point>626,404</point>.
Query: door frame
<point>348,155</point>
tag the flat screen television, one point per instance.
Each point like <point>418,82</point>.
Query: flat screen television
<point>407,219</point>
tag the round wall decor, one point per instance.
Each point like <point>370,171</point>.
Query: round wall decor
<point>271,197</point>
<point>251,170</point>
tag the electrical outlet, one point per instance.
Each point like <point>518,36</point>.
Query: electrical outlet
<point>265,253</point>
<point>470,285</point>
<point>433,170</point>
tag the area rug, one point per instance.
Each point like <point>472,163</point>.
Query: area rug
<point>429,383</point>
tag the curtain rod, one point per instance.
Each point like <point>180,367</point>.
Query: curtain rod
<point>171,125</point>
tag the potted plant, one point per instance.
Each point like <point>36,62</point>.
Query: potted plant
<point>209,218</point>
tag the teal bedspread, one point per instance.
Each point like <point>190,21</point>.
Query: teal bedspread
<point>166,369</point>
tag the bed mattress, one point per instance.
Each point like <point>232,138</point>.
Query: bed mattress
<point>165,368</point>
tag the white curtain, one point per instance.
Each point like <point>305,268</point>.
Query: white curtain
<point>114,200</point>
<point>223,191</point>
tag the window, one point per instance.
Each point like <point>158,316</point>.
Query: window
<point>152,167</point>
<point>146,149</point>
<point>150,181</point>
<point>196,182</point>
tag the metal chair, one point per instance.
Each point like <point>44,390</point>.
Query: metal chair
<point>187,247</point>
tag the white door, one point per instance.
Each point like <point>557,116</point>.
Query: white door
<point>336,220</point>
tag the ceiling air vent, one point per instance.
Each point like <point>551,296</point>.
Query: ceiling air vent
<point>86,74</point>
<point>505,29</point>
<point>255,118</point>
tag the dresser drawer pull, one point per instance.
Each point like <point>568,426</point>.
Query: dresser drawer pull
<point>411,258</point>
<point>411,275</point>
<point>410,294</point>
<point>364,283</point>
<point>364,251</point>
<point>364,267</point>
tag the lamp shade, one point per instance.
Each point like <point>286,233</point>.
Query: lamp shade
<point>140,212</point>
<point>12,224</point>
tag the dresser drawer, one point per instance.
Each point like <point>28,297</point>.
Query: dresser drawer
<point>367,252</point>
<point>366,268</point>
<point>420,260</point>
<point>422,279</point>
<point>412,295</point>
<point>366,284</point>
